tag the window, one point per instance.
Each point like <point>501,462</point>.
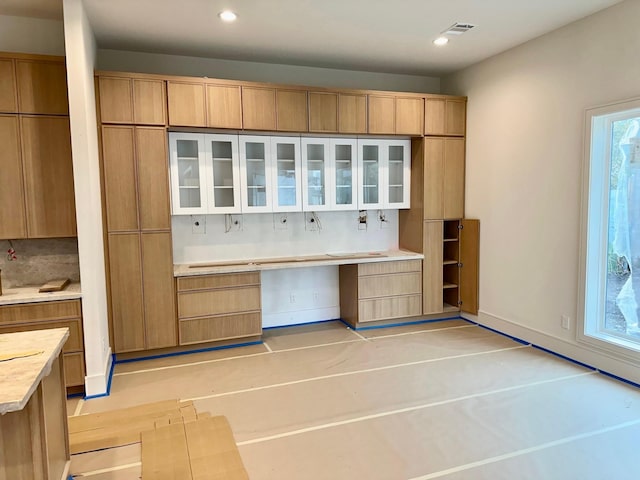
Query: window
<point>610,300</point>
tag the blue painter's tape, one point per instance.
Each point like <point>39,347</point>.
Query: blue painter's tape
<point>303,324</point>
<point>177,354</point>
<point>401,324</point>
<point>620,379</point>
<point>564,357</point>
<point>75,395</point>
<point>515,339</point>
<point>108,392</point>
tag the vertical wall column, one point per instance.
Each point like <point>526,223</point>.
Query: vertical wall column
<point>81,54</point>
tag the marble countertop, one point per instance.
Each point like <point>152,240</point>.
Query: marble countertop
<point>30,294</point>
<point>20,377</point>
<point>302,261</point>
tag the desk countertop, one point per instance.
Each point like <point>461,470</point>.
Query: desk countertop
<point>30,294</point>
<point>302,261</point>
<point>20,377</point>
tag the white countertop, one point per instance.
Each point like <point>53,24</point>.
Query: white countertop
<point>30,294</point>
<point>302,261</point>
<point>20,377</point>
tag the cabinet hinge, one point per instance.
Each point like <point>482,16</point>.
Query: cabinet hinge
<point>459,303</point>
<point>460,226</point>
<point>459,265</point>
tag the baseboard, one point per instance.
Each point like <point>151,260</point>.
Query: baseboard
<point>98,385</point>
<point>299,317</point>
<point>579,353</point>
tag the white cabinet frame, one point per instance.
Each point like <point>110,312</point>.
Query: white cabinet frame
<point>256,193</point>
<point>293,166</point>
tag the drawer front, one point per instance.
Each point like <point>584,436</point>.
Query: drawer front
<point>73,344</point>
<point>222,327</point>
<point>218,281</point>
<point>390,307</point>
<point>382,268</point>
<point>74,369</point>
<point>216,302</point>
<point>34,312</point>
<point>388,285</point>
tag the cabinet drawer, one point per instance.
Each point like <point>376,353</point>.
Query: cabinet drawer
<point>74,369</point>
<point>73,343</point>
<point>389,285</point>
<point>381,268</point>
<point>222,327</point>
<point>218,281</point>
<point>34,312</point>
<point>215,302</point>
<point>390,307</point>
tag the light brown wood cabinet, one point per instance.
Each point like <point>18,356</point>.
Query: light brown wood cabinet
<point>259,108</point>
<point>445,116</point>
<point>396,115</point>
<point>13,223</point>
<point>132,100</point>
<point>382,114</point>
<point>224,106</point>
<point>8,88</point>
<point>379,291</point>
<point>44,315</point>
<point>186,104</point>
<point>292,114</point>
<point>42,87</point>
<point>219,307</point>
<point>352,113</point>
<point>409,116</point>
<point>323,112</point>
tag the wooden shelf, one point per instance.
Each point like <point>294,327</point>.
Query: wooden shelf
<point>450,262</point>
<point>450,240</point>
<point>449,308</point>
<point>449,285</point>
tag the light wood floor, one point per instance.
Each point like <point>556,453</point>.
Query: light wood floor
<point>446,400</point>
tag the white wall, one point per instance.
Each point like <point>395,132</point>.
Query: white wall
<point>115,60</point>
<point>31,35</point>
<point>81,53</point>
<point>524,155</point>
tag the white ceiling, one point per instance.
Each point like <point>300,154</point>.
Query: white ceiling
<point>370,35</point>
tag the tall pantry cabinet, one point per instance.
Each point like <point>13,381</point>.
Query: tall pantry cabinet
<point>138,221</point>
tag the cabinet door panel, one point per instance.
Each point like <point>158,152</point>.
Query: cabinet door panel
<point>12,216</point>
<point>343,171</point>
<point>433,178</point>
<point>224,108</point>
<point>291,109</point>
<point>287,174</point>
<point>120,178</point>
<point>352,113</point>
<point>259,108</point>
<point>454,178</point>
<point>188,174</point>
<point>316,174</point>
<point>48,173</point>
<point>149,102</point>
<point>256,173</point>
<point>222,327</point>
<point>126,292</point>
<point>469,257</point>
<point>409,116</point>
<point>186,104</point>
<point>370,174</point>
<point>158,287</point>
<point>153,178</point>
<point>222,164</point>
<point>42,87</point>
<point>434,123</point>
<point>323,112</point>
<point>382,115</point>
<point>8,91</point>
<point>116,101</point>
<point>455,117</point>
<point>432,268</point>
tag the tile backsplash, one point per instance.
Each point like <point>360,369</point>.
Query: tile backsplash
<point>39,261</point>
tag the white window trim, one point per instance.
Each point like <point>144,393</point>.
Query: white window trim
<point>594,238</point>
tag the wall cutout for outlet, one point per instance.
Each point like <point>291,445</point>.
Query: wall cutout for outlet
<point>232,223</point>
<point>280,221</point>
<point>198,224</point>
<point>362,220</point>
<point>311,222</point>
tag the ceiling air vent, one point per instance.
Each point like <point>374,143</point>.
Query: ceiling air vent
<point>458,28</point>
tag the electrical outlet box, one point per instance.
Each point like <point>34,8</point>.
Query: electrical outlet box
<point>233,223</point>
<point>310,222</point>
<point>382,220</point>
<point>565,322</point>
<point>198,224</point>
<point>280,221</point>
<point>362,220</point>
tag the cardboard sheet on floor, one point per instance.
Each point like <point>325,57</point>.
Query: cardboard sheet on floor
<point>165,455</point>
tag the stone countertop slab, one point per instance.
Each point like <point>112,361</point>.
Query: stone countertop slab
<point>30,294</point>
<point>20,377</point>
<point>302,261</point>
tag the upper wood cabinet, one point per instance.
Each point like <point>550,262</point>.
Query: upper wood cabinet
<point>259,108</point>
<point>445,116</point>
<point>323,112</point>
<point>132,101</point>
<point>409,116</point>
<point>186,104</point>
<point>396,115</point>
<point>12,216</point>
<point>352,113</point>
<point>224,107</point>
<point>291,110</point>
<point>48,176</point>
<point>8,91</point>
<point>42,87</point>
<point>382,113</point>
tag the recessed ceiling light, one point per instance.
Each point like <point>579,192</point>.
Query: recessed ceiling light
<point>227,16</point>
<point>440,41</point>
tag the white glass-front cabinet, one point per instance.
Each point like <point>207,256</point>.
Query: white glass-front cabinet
<point>255,173</point>
<point>315,174</point>
<point>343,174</point>
<point>287,171</point>
<point>188,173</point>
<point>385,170</point>
<point>223,173</point>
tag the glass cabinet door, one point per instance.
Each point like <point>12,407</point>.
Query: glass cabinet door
<point>315,163</point>
<point>344,154</point>
<point>398,173</point>
<point>285,152</point>
<point>223,173</point>
<point>255,166</point>
<point>370,161</point>
<point>188,180</point>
